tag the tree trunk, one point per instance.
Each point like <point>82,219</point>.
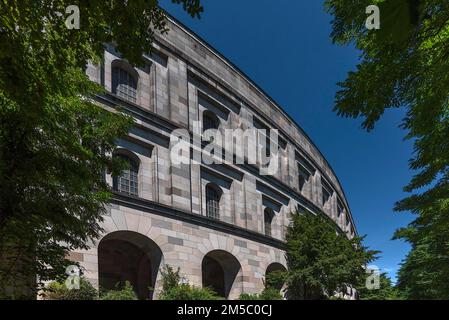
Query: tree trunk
<point>17,275</point>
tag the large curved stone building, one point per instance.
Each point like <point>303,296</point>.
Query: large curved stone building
<point>223,225</point>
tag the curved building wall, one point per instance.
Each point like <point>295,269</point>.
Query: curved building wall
<point>164,215</point>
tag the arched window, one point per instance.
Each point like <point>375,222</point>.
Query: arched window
<point>210,121</point>
<point>128,182</point>
<point>213,196</point>
<point>124,83</point>
<point>268,216</point>
<point>127,256</point>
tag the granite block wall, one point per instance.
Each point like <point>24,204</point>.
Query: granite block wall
<point>182,78</point>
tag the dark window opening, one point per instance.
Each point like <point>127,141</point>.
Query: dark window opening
<point>268,220</point>
<point>210,121</point>
<point>326,196</point>
<point>304,177</point>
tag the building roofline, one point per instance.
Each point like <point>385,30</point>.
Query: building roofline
<point>201,40</point>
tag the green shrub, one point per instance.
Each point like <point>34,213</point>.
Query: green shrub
<point>58,291</point>
<point>188,292</point>
<point>273,282</point>
<point>126,293</point>
<point>170,278</point>
<point>267,294</point>
<point>276,279</point>
<point>247,296</point>
<point>271,294</point>
<point>173,290</point>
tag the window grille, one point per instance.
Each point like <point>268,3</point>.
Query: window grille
<point>213,202</point>
<point>124,84</point>
<point>128,182</point>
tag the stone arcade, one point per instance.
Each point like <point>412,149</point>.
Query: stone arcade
<point>196,311</point>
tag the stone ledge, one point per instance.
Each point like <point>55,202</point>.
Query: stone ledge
<point>195,219</point>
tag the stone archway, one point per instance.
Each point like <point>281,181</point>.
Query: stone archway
<point>128,256</point>
<point>222,272</point>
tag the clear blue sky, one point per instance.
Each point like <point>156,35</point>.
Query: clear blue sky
<point>284,46</point>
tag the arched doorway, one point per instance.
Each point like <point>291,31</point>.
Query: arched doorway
<point>274,268</point>
<point>221,272</point>
<point>128,256</point>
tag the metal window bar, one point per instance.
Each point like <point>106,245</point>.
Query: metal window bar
<point>268,219</point>
<point>128,182</point>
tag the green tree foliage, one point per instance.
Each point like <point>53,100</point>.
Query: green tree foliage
<point>386,291</point>
<point>424,273</point>
<point>274,282</point>
<point>58,291</point>
<point>188,292</point>
<point>125,293</point>
<point>321,261</point>
<point>55,142</point>
<point>269,293</point>
<point>170,278</point>
<point>405,64</point>
<point>173,289</point>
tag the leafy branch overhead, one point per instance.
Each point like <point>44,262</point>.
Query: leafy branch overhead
<point>405,64</point>
<point>54,143</point>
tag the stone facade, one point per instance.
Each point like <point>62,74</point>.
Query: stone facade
<point>167,220</point>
